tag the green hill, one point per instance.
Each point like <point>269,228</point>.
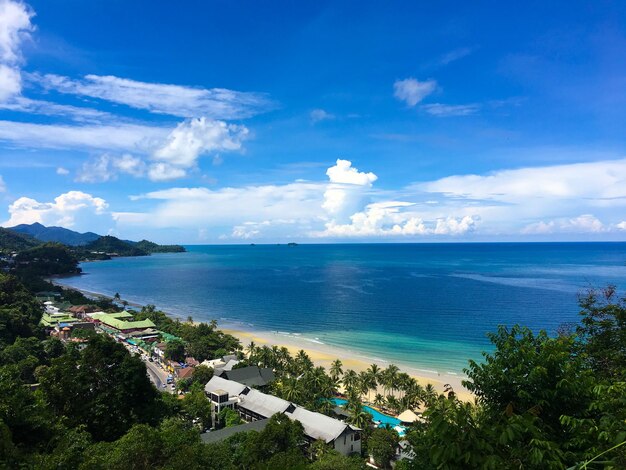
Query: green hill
<point>114,247</point>
<point>11,241</point>
<point>151,247</point>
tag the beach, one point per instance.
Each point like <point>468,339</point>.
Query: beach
<point>323,355</point>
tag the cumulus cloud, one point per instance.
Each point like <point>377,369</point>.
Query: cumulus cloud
<point>174,151</point>
<point>64,211</point>
<point>447,110</point>
<point>175,100</point>
<point>15,26</point>
<point>194,137</point>
<point>388,219</point>
<point>107,167</point>
<point>62,171</point>
<point>346,189</point>
<point>621,225</point>
<point>318,115</point>
<point>412,91</point>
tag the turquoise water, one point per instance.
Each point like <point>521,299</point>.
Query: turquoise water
<point>428,306</point>
<point>376,415</point>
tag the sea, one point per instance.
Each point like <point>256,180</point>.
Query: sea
<point>428,306</point>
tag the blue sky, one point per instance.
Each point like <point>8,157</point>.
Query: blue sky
<point>234,122</point>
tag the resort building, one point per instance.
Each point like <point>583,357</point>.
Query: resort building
<point>253,405</point>
<point>252,376</point>
<point>120,322</point>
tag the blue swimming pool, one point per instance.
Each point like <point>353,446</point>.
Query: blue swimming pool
<point>377,415</point>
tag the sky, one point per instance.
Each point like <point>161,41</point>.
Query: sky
<point>315,122</point>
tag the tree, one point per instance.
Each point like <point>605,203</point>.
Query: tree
<point>103,387</point>
<point>336,370</point>
<point>602,332</point>
<point>382,446</point>
<point>229,417</point>
<point>197,407</point>
<point>175,350</point>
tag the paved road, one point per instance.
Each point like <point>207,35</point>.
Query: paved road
<point>158,376</point>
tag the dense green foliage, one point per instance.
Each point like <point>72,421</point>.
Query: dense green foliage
<point>200,340</point>
<point>46,260</point>
<point>542,402</point>
<point>19,311</point>
<point>110,244</point>
<point>11,241</point>
<point>151,247</point>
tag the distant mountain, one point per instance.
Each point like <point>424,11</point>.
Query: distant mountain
<point>56,234</point>
<point>11,241</point>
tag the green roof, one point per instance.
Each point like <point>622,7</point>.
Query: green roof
<point>168,337</point>
<point>54,319</point>
<point>118,324</point>
<point>100,315</point>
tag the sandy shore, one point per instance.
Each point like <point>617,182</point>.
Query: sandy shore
<point>323,355</point>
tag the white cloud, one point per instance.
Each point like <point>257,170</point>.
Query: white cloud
<point>64,211</point>
<point>600,181</point>
<point>3,186</point>
<point>585,223</point>
<point>389,219</point>
<point>346,190</point>
<point>15,26</point>
<point>121,137</point>
<point>318,115</point>
<point>107,167</point>
<point>412,91</point>
<point>622,225</point>
<point>10,82</point>
<point>175,100</point>
<point>48,108</point>
<point>165,172</point>
<point>447,110</point>
<point>62,171</point>
<point>194,137</point>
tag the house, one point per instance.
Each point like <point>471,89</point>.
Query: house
<point>253,405</point>
<point>252,376</point>
<point>185,372</point>
<point>159,351</point>
<point>190,361</point>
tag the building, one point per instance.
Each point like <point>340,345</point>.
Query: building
<point>120,322</point>
<point>253,405</point>
<point>252,376</point>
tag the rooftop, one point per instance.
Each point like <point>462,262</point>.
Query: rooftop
<point>222,434</point>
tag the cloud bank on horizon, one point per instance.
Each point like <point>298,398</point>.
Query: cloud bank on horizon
<point>189,164</point>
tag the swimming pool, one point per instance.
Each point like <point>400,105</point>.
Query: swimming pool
<point>376,415</point>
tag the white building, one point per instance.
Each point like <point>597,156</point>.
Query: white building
<point>253,405</point>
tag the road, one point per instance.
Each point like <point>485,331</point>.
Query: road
<point>158,376</point>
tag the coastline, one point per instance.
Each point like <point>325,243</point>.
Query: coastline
<point>321,354</point>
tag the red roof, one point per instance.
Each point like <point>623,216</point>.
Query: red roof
<point>185,373</point>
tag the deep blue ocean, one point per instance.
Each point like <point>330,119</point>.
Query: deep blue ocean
<point>425,305</point>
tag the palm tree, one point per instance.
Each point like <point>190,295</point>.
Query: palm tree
<point>379,400</point>
<point>291,390</point>
<point>251,348</point>
<point>336,370</point>
<point>362,419</point>
<point>349,380</point>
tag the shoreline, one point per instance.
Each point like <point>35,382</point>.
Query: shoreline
<point>321,354</point>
